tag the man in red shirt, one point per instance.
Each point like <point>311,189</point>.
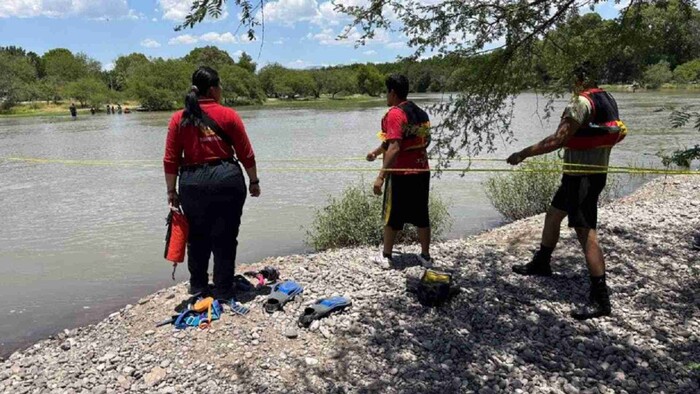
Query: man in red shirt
<point>405,170</point>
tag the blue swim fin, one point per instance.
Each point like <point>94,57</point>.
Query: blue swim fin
<point>323,308</point>
<point>281,294</point>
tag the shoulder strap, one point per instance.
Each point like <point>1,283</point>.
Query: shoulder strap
<point>216,128</point>
<point>587,95</point>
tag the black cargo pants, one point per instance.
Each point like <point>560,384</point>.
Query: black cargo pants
<point>212,197</point>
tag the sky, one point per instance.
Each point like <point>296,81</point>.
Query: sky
<point>298,33</point>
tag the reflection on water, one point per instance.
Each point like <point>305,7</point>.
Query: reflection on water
<point>80,240</point>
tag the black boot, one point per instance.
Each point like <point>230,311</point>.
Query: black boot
<point>599,301</point>
<point>539,265</point>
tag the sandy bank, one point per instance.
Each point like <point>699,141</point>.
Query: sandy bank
<point>503,333</point>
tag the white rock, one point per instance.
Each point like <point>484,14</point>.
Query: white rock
<point>154,377</point>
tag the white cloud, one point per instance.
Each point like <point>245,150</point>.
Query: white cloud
<point>327,36</point>
<point>245,39</point>
<point>154,20</point>
<point>218,38</point>
<point>185,39</point>
<point>150,43</point>
<point>91,9</point>
<point>318,12</point>
<point>396,45</point>
<point>237,54</point>
<point>134,16</point>
<point>370,52</point>
<point>177,10</point>
<point>225,38</point>
<point>288,12</point>
<point>108,67</point>
<point>298,64</point>
<point>327,14</point>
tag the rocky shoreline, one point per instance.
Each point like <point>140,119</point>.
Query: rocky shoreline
<point>502,333</point>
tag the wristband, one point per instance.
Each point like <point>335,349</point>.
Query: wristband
<point>255,182</point>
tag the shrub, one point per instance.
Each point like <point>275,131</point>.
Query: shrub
<point>522,194</point>
<point>687,72</point>
<point>658,74</point>
<point>355,219</point>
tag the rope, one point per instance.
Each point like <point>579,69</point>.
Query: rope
<point>586,168</point>
<point>297,160</point>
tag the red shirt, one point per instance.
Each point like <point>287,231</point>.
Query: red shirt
<point>190,145</point>
<point>392,126</point>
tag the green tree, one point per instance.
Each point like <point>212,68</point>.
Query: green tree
<point>300,82</point>
<point>658,74</point>
<point>16,76</point>
<point>270,78</point>
<point>91,67</point>
<point>369,80</point>
<point>239,85</point>
<point>89,90</point>
<point>687,72</point>
<point>246,62</point>
<point>668,30</point>
<point>421,82</point>
<point>320,79</point>
<point>339,80</point>
<point>161,84</point>
<point>38,64</point>
<point>48,89</point>
<point>62,65</point>
<point>278,81</point>
<point>210,56</point>
<point>124,68</point>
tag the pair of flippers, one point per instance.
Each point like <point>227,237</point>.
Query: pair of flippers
<point>286,291</point>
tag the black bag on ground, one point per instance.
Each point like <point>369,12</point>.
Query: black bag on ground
<point>435,288</point>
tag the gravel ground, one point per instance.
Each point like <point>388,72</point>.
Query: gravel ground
<point>502,334</point>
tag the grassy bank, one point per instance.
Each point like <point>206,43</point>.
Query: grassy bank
<point>664,87</point>
<point>54,109</point>
<point>324,102</point>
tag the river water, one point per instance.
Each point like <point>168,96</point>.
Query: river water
<point>81,239</point>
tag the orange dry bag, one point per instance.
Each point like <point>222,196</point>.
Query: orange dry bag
<point>176,238</point>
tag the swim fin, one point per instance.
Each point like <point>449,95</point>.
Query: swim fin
<point>323,308</point>
<point>281,294</point>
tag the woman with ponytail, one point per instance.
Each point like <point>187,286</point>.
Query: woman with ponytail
<point>206,146</point>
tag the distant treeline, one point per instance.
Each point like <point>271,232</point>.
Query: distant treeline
<point>666,50</point>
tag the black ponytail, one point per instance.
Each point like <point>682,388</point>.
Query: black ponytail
<point>202,79</point>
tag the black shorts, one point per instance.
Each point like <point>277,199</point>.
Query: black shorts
<point>578,197</point>
<point>406,200</point>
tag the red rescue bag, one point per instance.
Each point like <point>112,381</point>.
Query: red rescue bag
<point>176,238</point>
